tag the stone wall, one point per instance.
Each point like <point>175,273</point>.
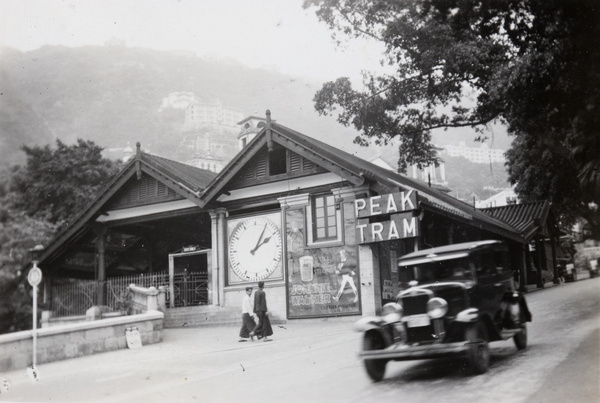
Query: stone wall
<point>76,340</point>
<point>276,299</point>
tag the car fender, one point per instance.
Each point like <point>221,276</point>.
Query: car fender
<point>379,332</point>
<point>368,323</point>
<point>525,309</point>
<point>517,297</point>
<point>473,315</point>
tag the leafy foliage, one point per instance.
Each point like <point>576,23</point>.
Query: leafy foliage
<point>35,201</point>
<point>532,65</point>
<point>57,183</point>
<point>18,234</point>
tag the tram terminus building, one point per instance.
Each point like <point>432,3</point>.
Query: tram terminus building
<point>322,228</point>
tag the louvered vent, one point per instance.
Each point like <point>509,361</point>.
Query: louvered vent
<point>295,162</point>
<point>307,165</point>
<point>261,168</point>
<point>163,190</point>
<point>146,187</point>
<point>147,190</point>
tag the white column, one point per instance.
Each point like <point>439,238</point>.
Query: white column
<point>222,253</point>
<point>213,290</point>
<point>442,172</point>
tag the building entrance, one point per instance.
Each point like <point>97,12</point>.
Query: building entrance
<point>189,278</point>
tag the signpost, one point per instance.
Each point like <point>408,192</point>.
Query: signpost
<point>35,278</point>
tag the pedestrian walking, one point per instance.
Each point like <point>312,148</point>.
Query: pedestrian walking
<point>263,330</point>
<point>248,323</point>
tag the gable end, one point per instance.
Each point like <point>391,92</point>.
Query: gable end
<point>281,163</point>
<point>147,190</point>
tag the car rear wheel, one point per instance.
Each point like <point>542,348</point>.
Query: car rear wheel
<point>521,338</point>
<point>375,368</point>
<point>478,354</point>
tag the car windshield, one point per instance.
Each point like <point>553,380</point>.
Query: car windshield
<point>462,270</point>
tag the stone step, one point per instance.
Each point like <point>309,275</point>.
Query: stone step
<point>205,317</point>
<point>201,316</point>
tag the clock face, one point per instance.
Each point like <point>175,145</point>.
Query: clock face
<point>255,248</point>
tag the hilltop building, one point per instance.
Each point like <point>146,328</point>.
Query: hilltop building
<point>208,130</point>
<point>503,198</point>
<point>201,114</point>
<point>480,155</point>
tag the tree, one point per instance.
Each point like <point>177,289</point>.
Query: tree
<point>55,185</point>
<point>35,201</point>
<point>531,65</point>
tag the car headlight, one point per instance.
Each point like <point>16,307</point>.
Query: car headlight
<point>437,308</point>
<point>392,312</point>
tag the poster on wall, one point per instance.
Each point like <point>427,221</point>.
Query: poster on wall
<point>255,248</point>
<point>322,281</point>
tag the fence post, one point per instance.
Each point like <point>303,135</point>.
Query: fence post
<point>162,299</point>
<point>151,299</point>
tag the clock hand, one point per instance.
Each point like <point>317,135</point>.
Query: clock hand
<point>266,240</point>
<point>258,243</point>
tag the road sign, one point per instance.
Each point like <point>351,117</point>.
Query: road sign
<point>35,276</point>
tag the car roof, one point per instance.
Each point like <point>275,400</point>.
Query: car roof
<point>446,252</point>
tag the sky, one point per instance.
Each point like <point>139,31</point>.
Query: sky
<point>274,34</point>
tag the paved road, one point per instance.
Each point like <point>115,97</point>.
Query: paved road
<point>317,362</point>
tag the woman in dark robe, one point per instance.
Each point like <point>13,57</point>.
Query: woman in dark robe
<point>263,330</point>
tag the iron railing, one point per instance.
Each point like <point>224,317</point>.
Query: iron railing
<point>74,297</point>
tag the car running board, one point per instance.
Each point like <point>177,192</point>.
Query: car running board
<point>508,333</point>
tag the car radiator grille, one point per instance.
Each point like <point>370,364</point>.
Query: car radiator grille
<point>415,305</point>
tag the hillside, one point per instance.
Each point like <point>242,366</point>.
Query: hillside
<point>112,95</point>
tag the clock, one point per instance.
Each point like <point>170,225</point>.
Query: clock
<point>255,248</point>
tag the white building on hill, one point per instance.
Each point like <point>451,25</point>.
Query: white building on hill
<point>503,198</point>
<point>481,154</point>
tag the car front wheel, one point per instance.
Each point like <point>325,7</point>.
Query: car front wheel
<point>375,368</point>
<point>478,354</point>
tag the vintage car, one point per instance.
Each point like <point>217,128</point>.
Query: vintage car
<point>566,269</point>
<point>454,300</point>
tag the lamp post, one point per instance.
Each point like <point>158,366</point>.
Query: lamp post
<point>34,277</point>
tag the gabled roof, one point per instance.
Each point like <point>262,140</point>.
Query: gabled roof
<point>190,178</point>
<point>356,171</point>
<point>186,180</point>
<point>527,218</point>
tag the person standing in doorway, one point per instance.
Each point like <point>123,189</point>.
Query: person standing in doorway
<point>248,323</point>
<point>263,330</point>
<point>347,276</point>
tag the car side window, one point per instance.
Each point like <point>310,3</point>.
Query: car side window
<point>502,266</point>
<point>488,265</point>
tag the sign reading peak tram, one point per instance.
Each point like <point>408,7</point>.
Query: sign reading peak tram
<point>398,206</point>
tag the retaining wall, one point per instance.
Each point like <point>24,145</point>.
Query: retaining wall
<point>76,340</point>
